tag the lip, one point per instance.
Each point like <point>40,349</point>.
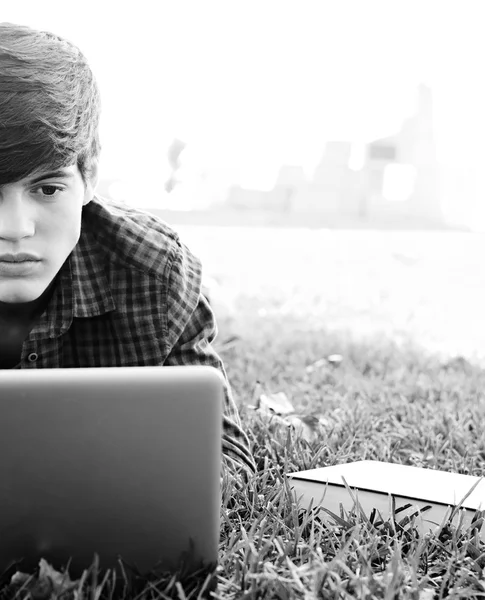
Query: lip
<point>23,268</point>
<point>18,258</point>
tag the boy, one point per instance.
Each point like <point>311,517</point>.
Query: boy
<point>86,282</point>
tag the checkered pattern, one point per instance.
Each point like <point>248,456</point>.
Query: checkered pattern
<point>130,295</point>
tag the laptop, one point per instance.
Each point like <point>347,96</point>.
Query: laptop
<point>114,462</point>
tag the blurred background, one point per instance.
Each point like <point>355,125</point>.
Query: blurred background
<point>323,158</point>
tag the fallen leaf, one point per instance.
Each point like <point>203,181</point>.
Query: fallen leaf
<point>49,584</point>
<point>282,412</point>
<point>277,403</point>
<point>301,428</point>
<point>332,359</point>
<point>318,364</point>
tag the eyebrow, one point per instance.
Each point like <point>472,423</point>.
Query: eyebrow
<point>51,174</point>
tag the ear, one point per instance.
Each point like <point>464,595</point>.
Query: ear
<point>91,183</point>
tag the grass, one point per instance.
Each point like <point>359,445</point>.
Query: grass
<point>383,401</point>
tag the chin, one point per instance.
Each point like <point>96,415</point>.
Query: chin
<point>17,296</point>
<point>16,299</point>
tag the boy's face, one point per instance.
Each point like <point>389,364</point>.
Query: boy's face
<point>41,217</point>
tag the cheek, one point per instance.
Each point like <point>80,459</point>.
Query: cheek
<point>61,227</point>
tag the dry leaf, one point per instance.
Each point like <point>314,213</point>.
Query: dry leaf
<point>49,584</point>
<point>301,427</point>
<point>322,362</point>
<point>335,359</point>
<point>307,426</point>
<point>332,359</point>
<point>282,412</point>
<point>277,403</point>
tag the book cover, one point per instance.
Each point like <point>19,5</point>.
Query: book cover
<point>382,486</point>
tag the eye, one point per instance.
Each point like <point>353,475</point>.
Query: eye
<point>50,190</point>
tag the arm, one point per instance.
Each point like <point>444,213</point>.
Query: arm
<point>191,328</point>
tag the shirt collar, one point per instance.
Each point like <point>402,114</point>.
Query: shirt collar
<point>82,289</point>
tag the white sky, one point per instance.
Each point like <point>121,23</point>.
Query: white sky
<point>250,85</point>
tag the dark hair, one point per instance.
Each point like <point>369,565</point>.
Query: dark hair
<point>49,105</point>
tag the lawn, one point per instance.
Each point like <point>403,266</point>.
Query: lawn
<point>384,402</point>
<point>391,397</point>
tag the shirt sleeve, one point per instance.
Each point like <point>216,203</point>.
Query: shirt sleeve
<point>191,328</point>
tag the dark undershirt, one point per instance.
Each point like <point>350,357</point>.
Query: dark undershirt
<point>16,321</point>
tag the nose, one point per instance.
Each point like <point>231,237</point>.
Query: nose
<point>16,222</point>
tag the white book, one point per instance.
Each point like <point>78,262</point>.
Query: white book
<point>378,484</point>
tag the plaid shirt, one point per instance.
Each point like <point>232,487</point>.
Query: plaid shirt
<point>130,295</point>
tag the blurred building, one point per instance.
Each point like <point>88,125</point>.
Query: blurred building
<point>398,177</point>
<point>406,159</point>
<point>332,185</point>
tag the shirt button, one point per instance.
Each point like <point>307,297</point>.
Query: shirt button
<point>32,357</point>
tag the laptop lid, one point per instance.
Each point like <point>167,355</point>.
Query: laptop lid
<point>113,461</point>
